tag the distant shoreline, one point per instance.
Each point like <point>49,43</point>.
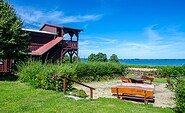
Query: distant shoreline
<point>143,59</point>
<point>151,59</point>
<point>150,62</point>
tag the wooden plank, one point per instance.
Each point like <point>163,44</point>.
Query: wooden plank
<point>136,97</point>
<point>80,83</point>
<point>133,91</point>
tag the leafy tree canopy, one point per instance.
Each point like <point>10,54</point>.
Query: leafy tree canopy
<point>66,59</point>
<point>13,40</point>
<point>92,57</point>
<point>100,57</point>
<point>114,58</point>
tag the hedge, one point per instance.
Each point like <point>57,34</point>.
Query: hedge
<point>180,95</point>
<point>96,71</point>
<point>171,71</point>
<point>50,76</point>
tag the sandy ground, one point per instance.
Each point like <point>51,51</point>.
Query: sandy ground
<point>163,96</point>
<point>142,69</point>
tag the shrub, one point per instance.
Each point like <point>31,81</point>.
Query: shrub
<point>171,71</point>
<point>96,71</point>
<point>81,93</point>
<point>46,76</point>
<point>180,95</point>
<point>50,76</point>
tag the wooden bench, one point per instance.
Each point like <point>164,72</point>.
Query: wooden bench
<point>133,92</point>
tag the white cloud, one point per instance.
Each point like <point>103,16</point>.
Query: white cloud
<point>154,44</point>
<point>38,17</point>
<point>153,35</point>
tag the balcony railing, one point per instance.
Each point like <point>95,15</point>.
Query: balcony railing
<point>70,44</point>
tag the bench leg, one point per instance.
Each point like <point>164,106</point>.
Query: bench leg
<point>117,94</point>
<point>145,99</point>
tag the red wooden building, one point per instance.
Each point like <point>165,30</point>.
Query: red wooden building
<point>49,43</point>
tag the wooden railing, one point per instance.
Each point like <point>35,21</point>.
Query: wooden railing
<point>65,84</point>
<point>70,44</point>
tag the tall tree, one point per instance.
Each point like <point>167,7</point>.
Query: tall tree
<point>114,58</point>
<point>92,57</point>
<point>101,57</point>
<point>13,40</point>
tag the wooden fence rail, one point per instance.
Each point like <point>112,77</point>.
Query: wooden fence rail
<point>65,84</point>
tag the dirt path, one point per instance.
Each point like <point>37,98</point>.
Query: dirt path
<point>163,96</point>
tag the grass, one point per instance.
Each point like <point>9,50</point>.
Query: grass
<point>20,97</point>
<point>159,80</point>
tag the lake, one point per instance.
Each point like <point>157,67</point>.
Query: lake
<point>154,62</point>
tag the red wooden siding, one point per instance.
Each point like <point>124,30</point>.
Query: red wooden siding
<point>49,29</point>
<point>47,46</point>
<point>38,40</point>
<point>5,66</point>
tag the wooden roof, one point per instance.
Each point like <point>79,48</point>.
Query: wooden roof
<point>63,27</point>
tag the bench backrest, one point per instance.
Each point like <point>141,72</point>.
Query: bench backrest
<point>126,80</point>
<point>147,78</point>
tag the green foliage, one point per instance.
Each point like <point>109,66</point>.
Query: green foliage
<point>92,57</point>
<point>66,59</point>
<point>114,58</point>
<point>96,71</point>
<point>79,93</point>
<point>46,76</point>
<point>74,59</point>
<point>100,57</point>
<point>180,95</point>
<point>14,41</point>
<point>49,76</point>
<point>171,71</point>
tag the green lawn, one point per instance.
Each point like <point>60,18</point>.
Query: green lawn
<point>159,80</point>
<point>19,97</point>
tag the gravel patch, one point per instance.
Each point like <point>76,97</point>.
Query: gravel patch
<point>163,96</point>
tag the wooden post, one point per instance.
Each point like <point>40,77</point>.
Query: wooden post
<point>117,94</point>
<point>145,97</point>
<point>71,58</point>
<point>64,86</point>
<point>91,93</point>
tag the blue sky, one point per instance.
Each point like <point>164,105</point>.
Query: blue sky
<point>149,29</point>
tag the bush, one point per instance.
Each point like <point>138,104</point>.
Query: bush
<point>180,95</point>
<point>96,71</point>
<point>46,76</point>
<point>171,71</point>
<point>50,76</point>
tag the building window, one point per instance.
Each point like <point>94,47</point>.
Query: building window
<point>1,61</point>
